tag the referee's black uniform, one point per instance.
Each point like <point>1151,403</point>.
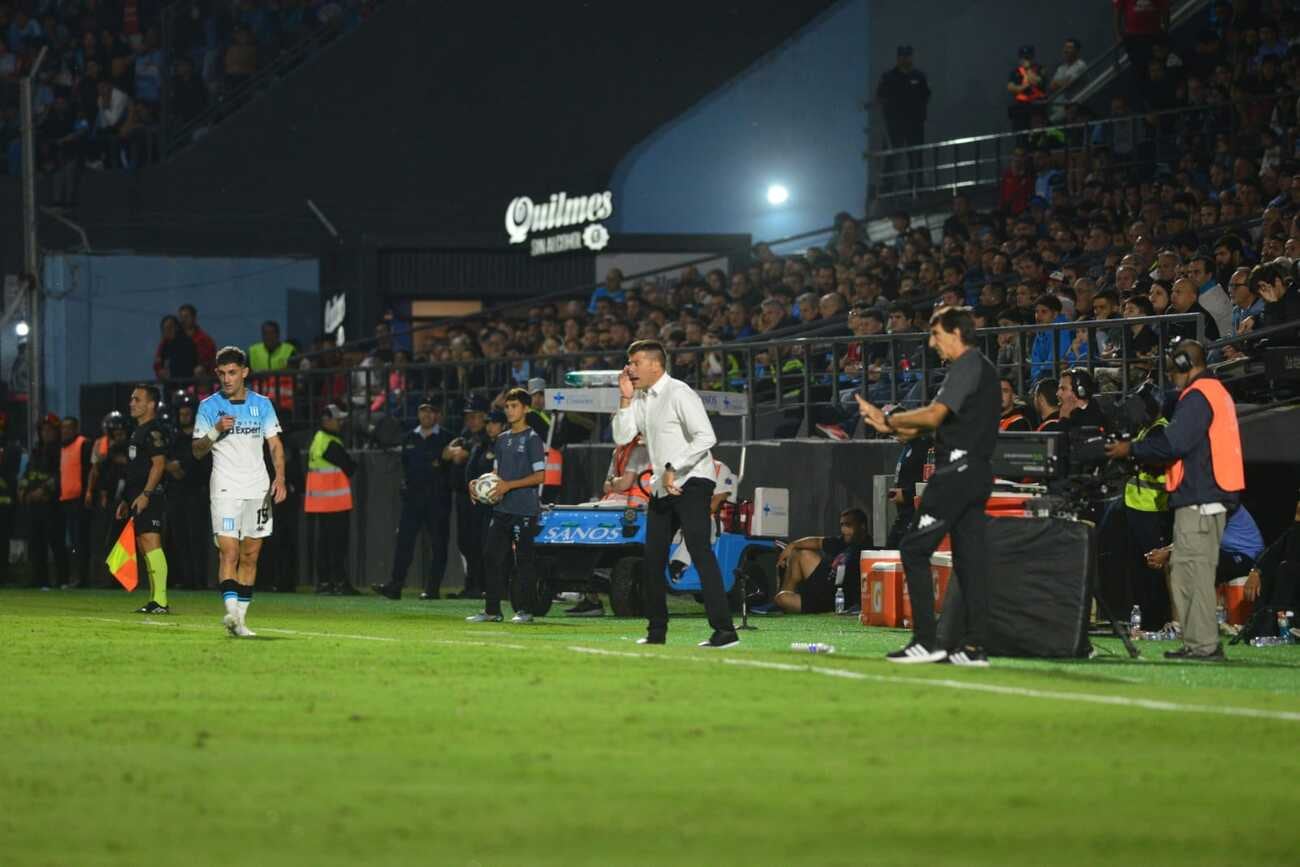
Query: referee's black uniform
<point>955,499</point>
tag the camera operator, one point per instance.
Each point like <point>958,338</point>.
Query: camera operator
<point>1075,392</point>
<point>964,416</point>
<point>1047,405</point>
<point>1202,447</point>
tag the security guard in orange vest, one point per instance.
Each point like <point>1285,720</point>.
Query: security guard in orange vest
<point>1206,476</point>
<point>74,471</point>
<point>328,502</point>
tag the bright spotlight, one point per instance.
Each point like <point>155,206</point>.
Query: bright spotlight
<point>22,329</point>
<point>777,195</point>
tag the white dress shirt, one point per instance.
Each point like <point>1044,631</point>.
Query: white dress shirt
<point>676,428</point>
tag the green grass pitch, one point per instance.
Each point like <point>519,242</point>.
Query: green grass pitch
<point>362,731</point>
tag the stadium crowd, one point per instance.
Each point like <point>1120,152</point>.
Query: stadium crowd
<point>100,90</point>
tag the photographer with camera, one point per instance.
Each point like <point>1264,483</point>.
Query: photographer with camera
<point>1202,447</point>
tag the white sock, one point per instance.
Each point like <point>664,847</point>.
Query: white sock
<point>232,605</point>
<point>243,608</point>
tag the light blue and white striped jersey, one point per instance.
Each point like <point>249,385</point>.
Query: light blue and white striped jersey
<point>238,470</point>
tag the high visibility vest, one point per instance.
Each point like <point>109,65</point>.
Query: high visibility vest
<point>1146,492</point>
<point>1225,439</point>
<point>70,471</point>
<point>328,489</point>
<point>1008,420</point>
<point>1033,94</point>
<point>261,358</point>
<point>554,468</point>
<point>279,389</point>
<point>633,496</point>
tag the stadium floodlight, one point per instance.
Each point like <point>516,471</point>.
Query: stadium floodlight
<point>777,194</point>
<point>22,329</point>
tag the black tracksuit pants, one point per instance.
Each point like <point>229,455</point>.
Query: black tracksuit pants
<point>509,540</point>
<point>953,503</point>
<point>471,529</point>
<point>46,537</point>
<point>431,513</point>
<point>331,530</point>
<point>689,512</point>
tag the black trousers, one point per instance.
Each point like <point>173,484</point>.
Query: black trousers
<point>46,537</point>
<point>688,512</point>
<point>432,514</point>
<point>6,530</point>
<point>1147,531</point>
<point>904,133</point>
<point>509,537</point>
<point>471,529</point>
<point>331,530</point>
<point>76,519</point>
<point>953,503</point>
<point>189,538</point>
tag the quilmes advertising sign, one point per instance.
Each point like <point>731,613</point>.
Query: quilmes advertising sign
<point>578,216</point>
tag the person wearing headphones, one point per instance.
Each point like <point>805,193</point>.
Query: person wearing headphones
<point>1202,447</point>
<point>1076,390</point>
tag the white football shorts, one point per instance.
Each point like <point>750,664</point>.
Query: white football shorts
<point>242,519</point>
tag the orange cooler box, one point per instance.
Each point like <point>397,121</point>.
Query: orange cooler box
<point>882,594</point>
<point>1232,596</point>
<point>941,574</point>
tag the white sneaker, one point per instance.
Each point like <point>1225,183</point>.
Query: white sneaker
<point>232,624</point>
<point>483,617</point>
<point>243,631</point>
<point>522,617</point>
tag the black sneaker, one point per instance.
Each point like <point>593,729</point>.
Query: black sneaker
<point>152,607</point>
<point>324,589</point>
<point>586,608</point>
<point>720,640</point>
<point>973,657</point>
<point>653,639</point>
<point>346,589</point>
<point>387,590</point>
<point>426,596</point>
<point>1183,654</point>
<point>915,652</point>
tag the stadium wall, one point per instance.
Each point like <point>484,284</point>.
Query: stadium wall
<point>794,117</point>
<point>102,313</point>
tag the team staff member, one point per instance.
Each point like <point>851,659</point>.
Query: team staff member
<point>812,567</point>
<point>426,503</point>
<point>142,495</point>
<point>1206,476</point>
<point>74,472</point>
<point>328,502</point>
<point>189,536</point>
<point>521,465</point>
<point>233,425</point>
<point>964,417</point>
<point>1013,417</point>
<point>471,518</point>
<point>678,435</point>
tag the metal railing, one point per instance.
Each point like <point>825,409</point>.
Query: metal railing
<point>792,384</point>
<point>1139,142</point>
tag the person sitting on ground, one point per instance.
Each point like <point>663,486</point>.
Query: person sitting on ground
<point>1275,578</point>
<point>815,566</point>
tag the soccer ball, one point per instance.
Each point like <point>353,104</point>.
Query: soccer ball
<point>481,488</point>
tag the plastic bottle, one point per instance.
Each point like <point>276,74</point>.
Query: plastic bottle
<point>591,378</point>
<point>1265,641</point>
<point>1135,620</point>
<point>1221,615</point>
<point>815,647</point>
<point>839,600</point>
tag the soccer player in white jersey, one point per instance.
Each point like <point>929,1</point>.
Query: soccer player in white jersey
<point>232,425</point>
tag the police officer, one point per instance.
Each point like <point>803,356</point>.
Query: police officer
<point>964,416</point>
<point>426,503</point>
<point>189,526</point>
<point>1202,447</point>
<point>471,518</point>
<point>328,502</point>
<point>904,94</point>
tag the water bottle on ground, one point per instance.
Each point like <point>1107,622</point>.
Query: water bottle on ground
<point>839,600</point>
<point>1221,615</point>
<point>815,647</point>
<point>1135,621</point>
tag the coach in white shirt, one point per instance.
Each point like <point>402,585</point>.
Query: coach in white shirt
<point>678,435</point>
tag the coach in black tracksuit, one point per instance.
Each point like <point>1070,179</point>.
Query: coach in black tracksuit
<point>964,417</point>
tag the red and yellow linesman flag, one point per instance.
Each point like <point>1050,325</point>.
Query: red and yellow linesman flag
<point>121,560</point>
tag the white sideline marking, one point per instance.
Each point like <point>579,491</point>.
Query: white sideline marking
<point>844,673</point>
<point>973,686</point>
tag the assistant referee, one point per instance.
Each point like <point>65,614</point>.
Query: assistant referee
<point>964,417</point>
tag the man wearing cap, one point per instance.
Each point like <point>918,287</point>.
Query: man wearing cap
<point>328,502</point>
<point>904,94</point>
<point>426,503</point>
<point>1025,84</point>
<point>471,457</point>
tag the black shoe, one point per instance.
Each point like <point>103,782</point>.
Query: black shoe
<point>653,639</point>
<point>387,590</point>
<point>152,607</point>
<point>720,640</point>
<point>346,589</point>
<point>324,589</point>
<point>915,652</point>
<point>971,656</point>
<point>426,596</point>
<point>1183,654</point>
<point>586,608</point>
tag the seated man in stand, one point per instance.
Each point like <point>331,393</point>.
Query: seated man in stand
<point>815,566</point>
